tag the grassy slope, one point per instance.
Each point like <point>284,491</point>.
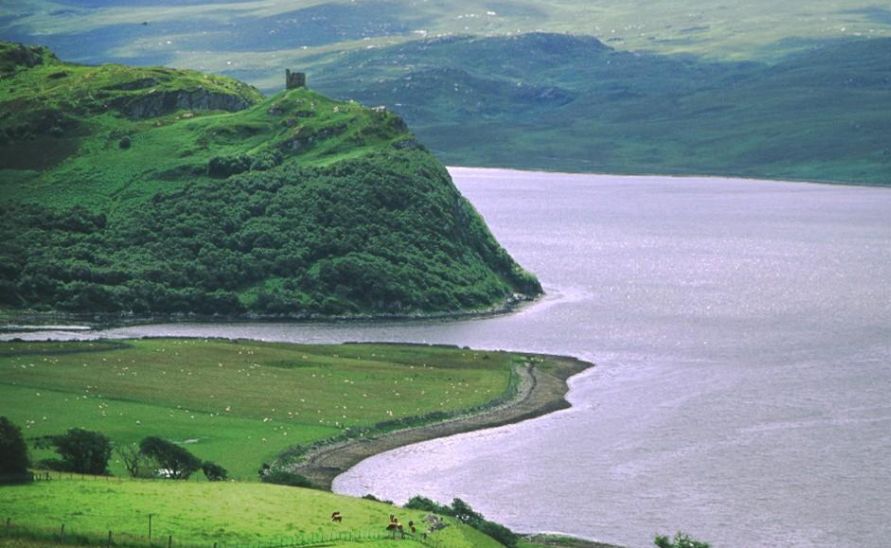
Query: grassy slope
<point>240,403</point>
<point>88,108</point>
<point>312,193</point>
<point>207,512</point>
<point>565,103</point>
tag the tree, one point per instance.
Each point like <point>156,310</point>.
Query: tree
<point>176,462</point>
<point>213,471</point>
<point>13,453</point>
<point>81,451</point>
<point>681,540</point>
<point>280,476</point>
<point>137,464</point>
<point>464,513</point>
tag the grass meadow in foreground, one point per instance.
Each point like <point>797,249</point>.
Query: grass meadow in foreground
<point>232,513</point>
<point>237,403</point>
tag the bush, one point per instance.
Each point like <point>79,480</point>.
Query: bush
<point>266,160</point>
<point>462,511</point>
<point>80,451</point>
<point>283,477</point>
<point>137,464</point>
<point>427,505</point>
<point>497,531</point>
<point>681,540</point>
<point>13,453</point>
<point>225,166</point>
<point>373,498</point>
<point>213,471</point>
<point>175,462</point>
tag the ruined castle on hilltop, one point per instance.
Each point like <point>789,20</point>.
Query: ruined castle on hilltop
<point>294,80</point>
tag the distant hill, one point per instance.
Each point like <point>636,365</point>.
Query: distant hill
<point>560,102</point>
<point>790,90</point>
<point>241,36</point>
<point>157,191</point>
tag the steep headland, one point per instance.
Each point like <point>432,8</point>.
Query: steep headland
<point>145,191</point>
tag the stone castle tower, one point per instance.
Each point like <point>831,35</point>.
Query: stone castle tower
<point>294,80</point>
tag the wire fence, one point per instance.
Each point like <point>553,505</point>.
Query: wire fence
<point>71,535</point>
<point>63,534</point>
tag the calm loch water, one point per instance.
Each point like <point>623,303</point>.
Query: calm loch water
<point>742,331</point>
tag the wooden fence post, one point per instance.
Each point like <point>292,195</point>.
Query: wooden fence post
<point>109,540</point>
<point>169,541</point>
<point>62,532</point>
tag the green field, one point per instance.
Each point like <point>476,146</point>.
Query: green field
<point>193,513</point>
<point>238,403</point>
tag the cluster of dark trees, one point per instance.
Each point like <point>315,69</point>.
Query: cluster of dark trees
<point>465,514</point>
<point>281,476</point>
<point>680,540</point>
<point>86,452</point>
<point>381,234</point>
<point>13,453</point>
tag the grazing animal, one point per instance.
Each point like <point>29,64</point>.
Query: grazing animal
<point>336,517</point>
<point>395,527</point>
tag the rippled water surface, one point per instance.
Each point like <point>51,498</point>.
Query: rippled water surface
<point>742,331</point>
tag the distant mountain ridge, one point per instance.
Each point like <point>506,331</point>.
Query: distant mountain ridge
<point>143,191</point>
<point>750,89</point>
<point>560,102</point>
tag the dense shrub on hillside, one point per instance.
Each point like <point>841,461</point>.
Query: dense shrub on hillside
<point>279,476</point>
<point>462,511</point>
<point>382,234</point>
<point>81,451</point>
<point>175,461</point>
<point>225,166</point>
<point>13,453</point>
<point>135,462</point>
<point>213,471</point>
<point>680,540</point>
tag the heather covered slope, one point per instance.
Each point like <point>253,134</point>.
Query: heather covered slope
<point>573,103</point>
<point>145,191</point>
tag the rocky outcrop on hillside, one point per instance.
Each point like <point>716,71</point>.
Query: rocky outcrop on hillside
<point>159,103</point>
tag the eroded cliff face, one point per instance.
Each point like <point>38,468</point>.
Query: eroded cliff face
<point>159,103</point>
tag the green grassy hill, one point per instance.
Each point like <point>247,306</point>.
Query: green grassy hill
<point>239,404</point>
<point>559,102</point>
<point>150,190</point>
<point>201,514</point>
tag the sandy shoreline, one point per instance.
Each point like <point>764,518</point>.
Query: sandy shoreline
<point>539,391</point>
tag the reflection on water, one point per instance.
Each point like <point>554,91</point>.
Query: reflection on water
<point>743,335</point>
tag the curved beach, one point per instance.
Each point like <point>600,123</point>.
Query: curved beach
<point>539,392</point>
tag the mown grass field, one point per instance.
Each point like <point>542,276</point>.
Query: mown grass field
<point>231,513</point>
<point>237,403</point>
